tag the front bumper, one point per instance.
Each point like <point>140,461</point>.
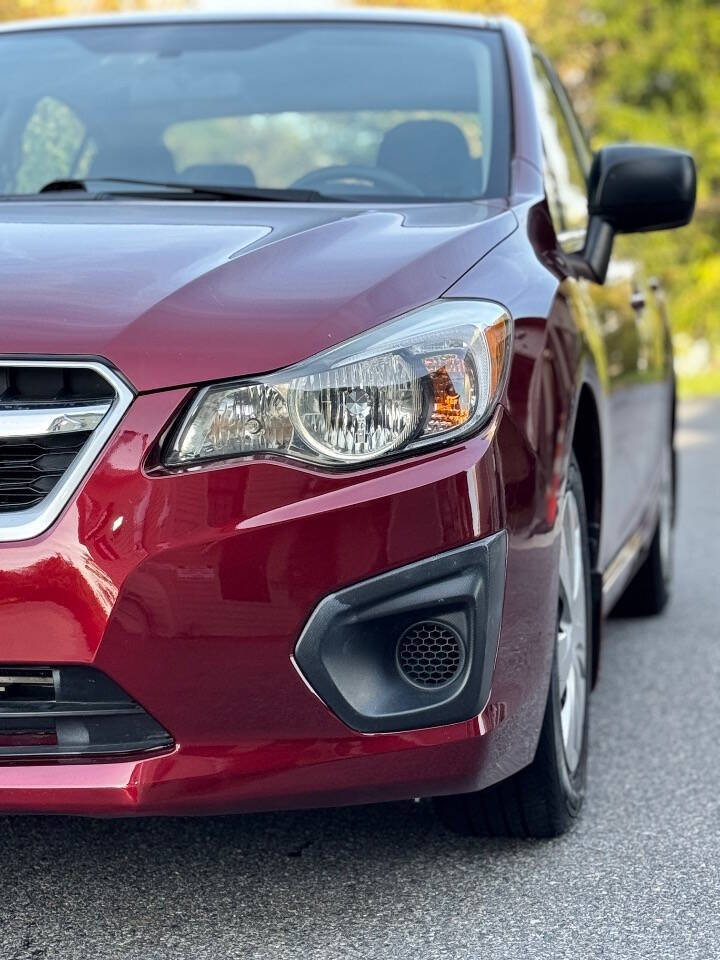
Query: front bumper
<point>190,591</point>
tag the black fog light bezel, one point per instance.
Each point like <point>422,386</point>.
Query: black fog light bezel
<point>347,651</point>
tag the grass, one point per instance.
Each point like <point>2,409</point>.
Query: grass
<point>704,384</point>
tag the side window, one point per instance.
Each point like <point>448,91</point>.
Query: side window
<point>55,146</point>
<point>567,158</point>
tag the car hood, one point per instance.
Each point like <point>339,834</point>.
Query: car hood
<point>179,293</point>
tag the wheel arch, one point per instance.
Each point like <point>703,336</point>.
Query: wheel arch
<point>588,451</point>
<point>587,447</point>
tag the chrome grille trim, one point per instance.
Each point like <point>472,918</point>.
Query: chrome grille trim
<point>31,522</point>
<point>30,422</point>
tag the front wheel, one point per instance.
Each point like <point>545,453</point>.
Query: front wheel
<point>544,799</point>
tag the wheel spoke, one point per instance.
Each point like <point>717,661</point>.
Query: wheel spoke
<point>578,718</point>
<point>571,654</point>
<point>565,571</point>
<point>565,656</point>
<point>581,657</point>
<point>578,561</point>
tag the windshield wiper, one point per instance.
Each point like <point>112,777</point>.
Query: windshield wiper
<point>189,190</point>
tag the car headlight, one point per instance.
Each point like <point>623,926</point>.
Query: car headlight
<point>430,376</point>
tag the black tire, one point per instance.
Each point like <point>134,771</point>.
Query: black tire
<point>648,592</point>
<point>545,798</point>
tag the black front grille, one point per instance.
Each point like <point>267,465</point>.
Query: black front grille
<point>31,466</point>
<point>47,415</point>
<point>65,712</point>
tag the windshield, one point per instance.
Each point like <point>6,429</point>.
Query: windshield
<point>350,110</point>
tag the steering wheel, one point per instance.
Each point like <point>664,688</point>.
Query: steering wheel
<point>375,176</point>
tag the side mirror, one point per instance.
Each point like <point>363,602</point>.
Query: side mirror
<point>633,189</point>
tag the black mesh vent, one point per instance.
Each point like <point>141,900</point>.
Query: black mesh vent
<point>31,466</point>
<point>45,386</point>
<point>430,654</point>
<point>71,712</point>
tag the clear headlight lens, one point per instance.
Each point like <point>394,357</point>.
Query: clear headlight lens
<point>360,410</point>
<point>424,378</point>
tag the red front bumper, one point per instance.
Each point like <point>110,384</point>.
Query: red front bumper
<point>191,590</point>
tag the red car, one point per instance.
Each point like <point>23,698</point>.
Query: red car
<point>335,413</point>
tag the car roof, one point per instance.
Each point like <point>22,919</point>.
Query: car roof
<point>331,14</point>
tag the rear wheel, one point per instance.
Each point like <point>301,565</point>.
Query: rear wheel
<point>544,799</point>
<point>648,592</point>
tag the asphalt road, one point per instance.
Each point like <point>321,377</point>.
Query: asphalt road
<point>639,877</point>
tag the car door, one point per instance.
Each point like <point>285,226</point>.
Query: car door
<point>623,312</point>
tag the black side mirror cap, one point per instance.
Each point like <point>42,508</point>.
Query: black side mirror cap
<point>634,189</point>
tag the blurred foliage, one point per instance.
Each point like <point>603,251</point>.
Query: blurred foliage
<point>287,145</point>
<point>704,384</point>
<point>51,141</point>
<point>649,71</point>
<point>23,9</point>
<point>26,9</point>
